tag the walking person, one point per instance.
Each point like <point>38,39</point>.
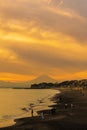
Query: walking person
<point>32,112</point>
<point>42,115</point>
<point>66,105</point>
<point>72,105</point>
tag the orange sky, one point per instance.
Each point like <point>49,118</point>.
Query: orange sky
<point>43,37</point>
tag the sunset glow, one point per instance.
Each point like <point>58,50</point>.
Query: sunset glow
<point>43,37</point>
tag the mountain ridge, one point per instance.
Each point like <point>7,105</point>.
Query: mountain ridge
<point>39,79</point>
<point>44,81</point>
<point>43,78</point>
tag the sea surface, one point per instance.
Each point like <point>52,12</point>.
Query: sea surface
<point>13,100</point>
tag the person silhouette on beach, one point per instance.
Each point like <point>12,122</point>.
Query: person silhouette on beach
<point>32,112</point>
<point>53,111</point>
<point>66,105</point>
<point>72,105</point>
<point>42,115</point>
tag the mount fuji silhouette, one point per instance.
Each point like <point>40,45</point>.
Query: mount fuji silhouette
<point>40,79</point>
<point>43,78</point>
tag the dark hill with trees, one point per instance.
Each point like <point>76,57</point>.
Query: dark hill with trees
<point>42,85</point>
<point>66,84</point>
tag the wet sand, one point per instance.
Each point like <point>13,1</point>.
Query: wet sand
<point>70,117</point>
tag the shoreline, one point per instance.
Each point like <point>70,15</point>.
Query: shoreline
<point>64,118</point>
<point>16,120</point>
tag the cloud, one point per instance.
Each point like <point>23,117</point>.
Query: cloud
<point>32,60</point>
<point>61,3</point>
<point>45,56</point>
<point>56,3</point>
<point>43,36</point>
<point>45,17</point>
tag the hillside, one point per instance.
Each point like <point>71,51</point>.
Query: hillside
<point>66,84</point>
<point>73,83</point>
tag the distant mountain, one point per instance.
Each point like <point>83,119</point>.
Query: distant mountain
<point>43,78</point>
<point>27,84</point>
<point>44,81</point>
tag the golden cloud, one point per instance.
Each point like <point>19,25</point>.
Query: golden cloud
<point>36,37</point>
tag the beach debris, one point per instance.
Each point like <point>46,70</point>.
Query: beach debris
<point>40,100</point>
<point>83,94</point>
<point>25,109</point>
<point>32,105</point>
<point>60,98</point>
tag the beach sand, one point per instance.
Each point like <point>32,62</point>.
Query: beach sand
<point>72,116</point>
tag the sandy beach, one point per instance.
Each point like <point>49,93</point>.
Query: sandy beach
<point>70,113</point>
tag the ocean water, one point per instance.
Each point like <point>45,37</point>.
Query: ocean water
<point>13,100</point>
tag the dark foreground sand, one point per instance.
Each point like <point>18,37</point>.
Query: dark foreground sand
<point>68,118</point>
